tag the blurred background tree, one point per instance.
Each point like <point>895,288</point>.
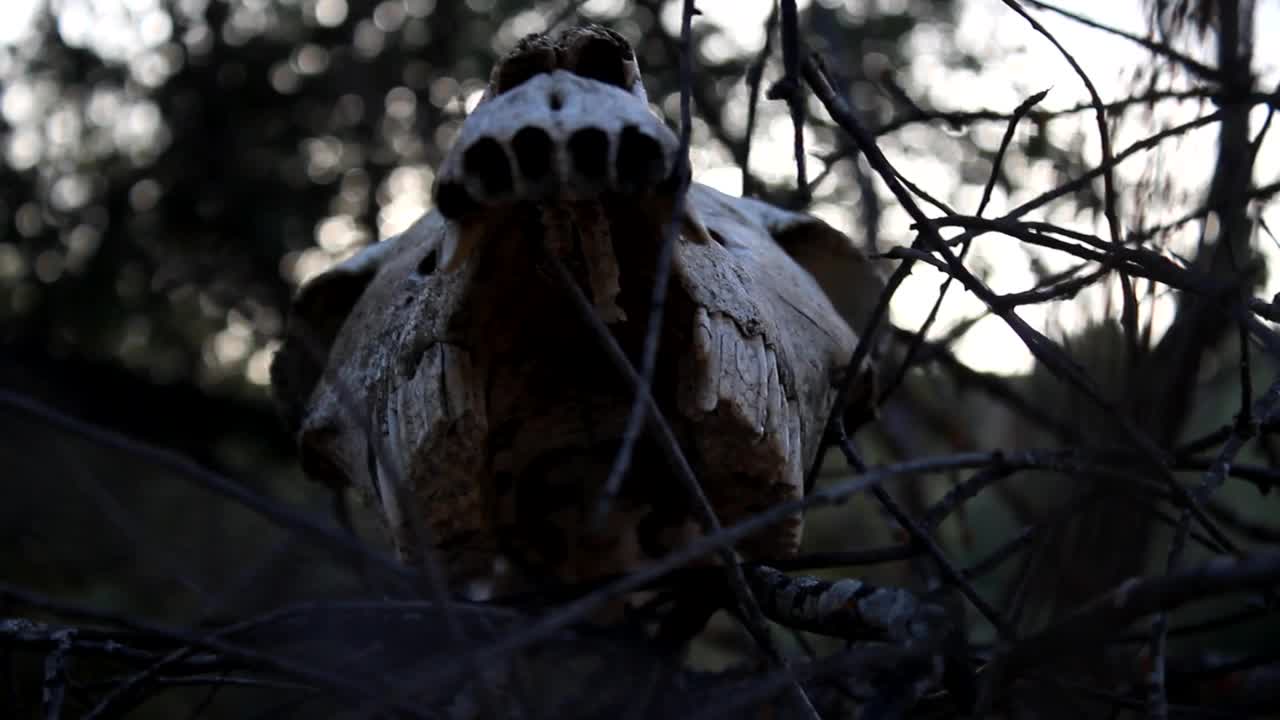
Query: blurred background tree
<point>173,170</point>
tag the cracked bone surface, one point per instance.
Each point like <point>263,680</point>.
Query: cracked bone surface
<point>445,374</point>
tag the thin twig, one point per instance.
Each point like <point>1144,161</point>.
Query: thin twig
<point>1135,598</point>
<point>755,76</point>
<point>921,536</point>
<point>1195,66</point>
<point>791,89</point>
<point>164,459</point>
<point>661,279</point>
<point>1129,314</point>
<point>336,683</point>
<point>1041,347</point>
<point>909,359</point>
<point>666,438</point>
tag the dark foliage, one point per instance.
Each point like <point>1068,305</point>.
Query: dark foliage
<point>174,169</point>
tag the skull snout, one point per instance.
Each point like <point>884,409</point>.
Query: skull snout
<point>555,135</point>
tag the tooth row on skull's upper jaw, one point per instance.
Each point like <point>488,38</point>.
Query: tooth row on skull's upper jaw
<point>556,134</point>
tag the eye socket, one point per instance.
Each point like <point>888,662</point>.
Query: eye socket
<point>532,57</point>
<point>517,72</point>
<point>604,59</point>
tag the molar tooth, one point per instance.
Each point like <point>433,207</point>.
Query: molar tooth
<point>752,366</point>
<point>706,361</point>
<point>784,435</point>
<point>733,391</point>
<point>775,401</point>
<point>797,461</point>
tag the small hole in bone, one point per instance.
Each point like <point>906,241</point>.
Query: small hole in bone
<point>454,201</point>
<point>427,265</point>
<point>604,60</point>
<point>557,102</point>
<point>639,160</point>
<point>589,150</point>
<point>486,161</point>
<point>533,153</point>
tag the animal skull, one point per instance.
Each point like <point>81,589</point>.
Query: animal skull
<point>443,372</point>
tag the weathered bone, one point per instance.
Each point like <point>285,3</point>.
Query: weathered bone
<point>443,372</point>
<point>569,111</point>
<point>602,262</point>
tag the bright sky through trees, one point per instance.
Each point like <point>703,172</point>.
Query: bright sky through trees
<point>1019,62</point>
